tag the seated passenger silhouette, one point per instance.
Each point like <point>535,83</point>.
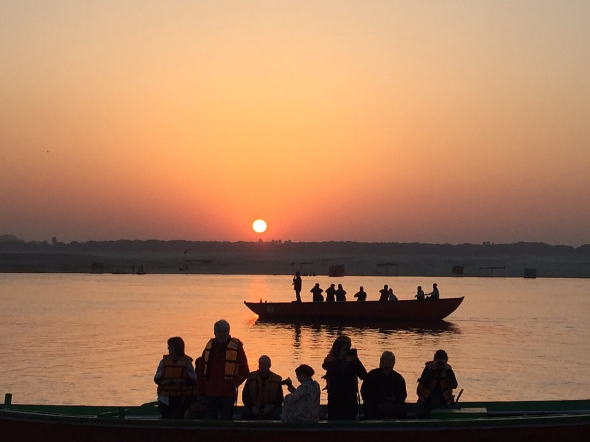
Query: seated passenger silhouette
<point>176,379</point>
<point>436,384</point>
<point>391,296</point>
<point>263,392</point>
<point>340,294</point>
<point>330,294</point>
<point>317,293</point>
<point>384,390</point>
<point>361,295</point>
<point>384,293</point>
<point>420,294</point>
<point>434,295</point>
<point>302,404</point>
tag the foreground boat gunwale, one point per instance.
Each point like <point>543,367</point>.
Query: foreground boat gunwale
<point>572,413</point>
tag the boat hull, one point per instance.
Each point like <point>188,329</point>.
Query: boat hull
<point>396,311</point>
<point>27,426</point>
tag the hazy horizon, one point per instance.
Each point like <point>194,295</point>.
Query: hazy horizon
<point>388,121</point>
<point>283,241</point>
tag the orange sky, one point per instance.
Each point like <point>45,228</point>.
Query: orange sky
<point>455,121</point>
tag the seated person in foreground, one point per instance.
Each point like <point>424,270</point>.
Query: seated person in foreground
<point>384,390</point>
<point>176,378</point>
<point>302,405</point>
<point>436,384</point>
<point>263,393</point>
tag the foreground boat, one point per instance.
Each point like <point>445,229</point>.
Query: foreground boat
<point>472,421</point>
<point>400,311</point>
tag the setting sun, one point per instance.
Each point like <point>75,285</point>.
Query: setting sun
<point>259,226</point>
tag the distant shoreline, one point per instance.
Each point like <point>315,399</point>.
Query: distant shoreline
<point>284,258</point>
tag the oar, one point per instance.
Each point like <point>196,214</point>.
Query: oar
<point>458,396</point>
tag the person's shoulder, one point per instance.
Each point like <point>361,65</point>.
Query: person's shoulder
<point>374,372</point>
<point>275,377</point>
<point>236,341</point>
<point>398,375</point>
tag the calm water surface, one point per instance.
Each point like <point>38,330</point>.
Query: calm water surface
<point>97,339</point>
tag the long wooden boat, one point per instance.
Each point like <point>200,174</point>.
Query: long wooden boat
<point>542,421</point>
<point>399,311</point>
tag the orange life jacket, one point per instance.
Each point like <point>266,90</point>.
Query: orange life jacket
<point>436,375</point>
<point>231,358</point>
<point>176,370</point>
<point>263,392</point>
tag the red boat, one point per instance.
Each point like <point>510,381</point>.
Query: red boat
<point>398,311</point>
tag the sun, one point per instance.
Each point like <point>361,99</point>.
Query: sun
<point>259,226</point>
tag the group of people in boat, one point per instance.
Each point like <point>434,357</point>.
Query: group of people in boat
<point>338,294</point>
<point>208,388</point>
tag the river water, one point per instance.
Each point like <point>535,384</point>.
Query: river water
<point>97,339</point>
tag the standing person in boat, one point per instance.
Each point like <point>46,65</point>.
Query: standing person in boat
<point>343,369</point>
<point>420,294</point>
<point>436,384</point>
<point>176,379</point>
<point>317,293</point>
<point>391,296</point>
<point>223,369</point>
<point>384,390</point>
<point>434,295</point>
<point>330,294</point>
<point>384,293</point>
<point>263,393</point>
<point>361,295</point>
<point>302,404</point>
<point>340,294</point>
<point>297,286</point>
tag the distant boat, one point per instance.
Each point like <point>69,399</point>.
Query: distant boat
<point>396,311</point>
<point>538,421</point>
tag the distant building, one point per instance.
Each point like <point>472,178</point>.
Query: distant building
<point>97,267</point>
<point>336,270</point>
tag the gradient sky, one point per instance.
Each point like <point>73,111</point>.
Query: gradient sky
<point>430,121</point>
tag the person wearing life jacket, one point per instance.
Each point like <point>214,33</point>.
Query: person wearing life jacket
<point>263,392</point>
<point>436,384</point>
<point>223,368</point>
<point>176,378</point>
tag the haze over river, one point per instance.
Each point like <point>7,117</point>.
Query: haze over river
<point>97,339</point>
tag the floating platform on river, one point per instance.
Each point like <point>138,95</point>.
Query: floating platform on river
<point>395,311</point>
<point>541,421</point>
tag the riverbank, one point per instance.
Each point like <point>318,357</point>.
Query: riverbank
<point>387,259</point>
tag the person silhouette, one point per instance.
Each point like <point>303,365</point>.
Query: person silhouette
<point>297,286</point>
<point>330,294</point>
<point>361,295</point>
<point>340,294</point>
<point>384,293</point>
